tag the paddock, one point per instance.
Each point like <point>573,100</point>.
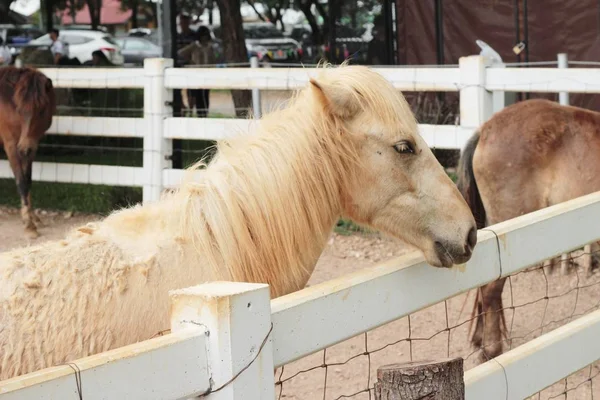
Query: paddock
<point>364,283</point>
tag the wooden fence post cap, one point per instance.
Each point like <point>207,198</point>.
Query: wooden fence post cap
<point>424,379</point>
<point>417,364</point>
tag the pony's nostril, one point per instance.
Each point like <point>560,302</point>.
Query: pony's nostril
<point>472,238</point>
<point>439,247</point>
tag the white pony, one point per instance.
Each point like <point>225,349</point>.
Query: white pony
<point>262,211</point>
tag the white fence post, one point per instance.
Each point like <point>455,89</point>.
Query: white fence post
<point>237,317</point>
<point>157,150</point>
<point>256,102</point>
<point>476,103</point>
<point>563,62</point>
<point>498,97</point>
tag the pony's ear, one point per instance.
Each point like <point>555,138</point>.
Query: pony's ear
<point>340,101</point>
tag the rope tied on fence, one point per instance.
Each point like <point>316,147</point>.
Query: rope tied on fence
<point>77,371</point>
<point>498,246</point>
<point>234,377</point>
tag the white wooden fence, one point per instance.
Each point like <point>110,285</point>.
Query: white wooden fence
<point>481,88</point>
<point>158,127</point>
<point>231,350</point>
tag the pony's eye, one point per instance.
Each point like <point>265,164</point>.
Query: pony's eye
<point>404,147</point>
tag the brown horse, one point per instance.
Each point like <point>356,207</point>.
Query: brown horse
<point>27,103</point>
<point>531,155</point>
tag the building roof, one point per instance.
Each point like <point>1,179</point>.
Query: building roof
<point>111,14</point>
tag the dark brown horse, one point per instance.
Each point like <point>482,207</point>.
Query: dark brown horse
<point>27,104</point>
<point>528,156</point>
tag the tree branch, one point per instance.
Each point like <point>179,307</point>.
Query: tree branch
<point>259,15</point>
<point>321,11</point>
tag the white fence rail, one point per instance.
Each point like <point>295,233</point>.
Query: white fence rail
<point>146,370</point>
<point>555,355</point>
<point>481,90</point>
<point>473,79</point>
<point>241,349</point>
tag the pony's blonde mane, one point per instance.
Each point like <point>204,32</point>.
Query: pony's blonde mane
<point>267,197</point>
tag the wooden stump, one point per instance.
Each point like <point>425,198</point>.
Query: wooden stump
<point>423,380</point>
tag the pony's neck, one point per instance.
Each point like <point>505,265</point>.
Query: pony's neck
<point>266,205</point>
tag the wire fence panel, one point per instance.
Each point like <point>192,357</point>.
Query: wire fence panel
<point>537,302</point>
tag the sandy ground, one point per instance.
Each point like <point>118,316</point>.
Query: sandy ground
<point>350,367</point>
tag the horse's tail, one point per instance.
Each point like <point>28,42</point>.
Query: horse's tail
<point>34,92</point>
<point>467,186</point>
<point>466,181</point>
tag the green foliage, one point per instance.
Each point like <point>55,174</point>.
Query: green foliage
<point>98,199</point>
<point>348,227</point>
<point>35,18</point>
<point>453,176</point>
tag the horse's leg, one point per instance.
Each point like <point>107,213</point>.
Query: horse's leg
<point>23,180</point>
<point>491,323</point>
<point>591,257</point>
<point>25,191</point>
<point>27,148</point>
<point>565,262</point>
<point>28,172</point>
<point>476,315</point>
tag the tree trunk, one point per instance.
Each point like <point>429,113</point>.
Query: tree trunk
<point>94,6</point>
<point>48,14</point>
<point>235,49</point>
<point>442,380</point>
<point>73,11</point>
<point>153,6</point>
<point>134,14</point>
<point>305,6</point>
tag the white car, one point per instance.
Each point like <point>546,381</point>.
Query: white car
<point>82,43</point>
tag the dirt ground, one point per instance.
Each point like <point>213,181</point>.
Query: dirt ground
<point>348,369</point>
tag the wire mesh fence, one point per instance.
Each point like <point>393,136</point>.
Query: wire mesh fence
<point>536,301</point>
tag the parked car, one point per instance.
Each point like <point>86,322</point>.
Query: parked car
<point>351,43</point>
<point>146,33</point>
<point>268,43</point>
<point>17,36</point>
<point>136,49</point>
<point>82,43</point>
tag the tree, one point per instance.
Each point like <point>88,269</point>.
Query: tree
<point>192,7</point>
<point>71,5</point>
<point>357,13</point>
<point>273,10</point>
<point>234,44</point>
<point>94,7</point>
<point>137,7</point>
<point>5,10</point>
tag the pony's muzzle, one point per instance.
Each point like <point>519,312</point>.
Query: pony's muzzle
<point>471,240</point>
<point>449,254</point>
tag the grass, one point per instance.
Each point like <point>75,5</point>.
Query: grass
<point>348,227</point>
<point>95,199</point>
<point>452,176</point>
